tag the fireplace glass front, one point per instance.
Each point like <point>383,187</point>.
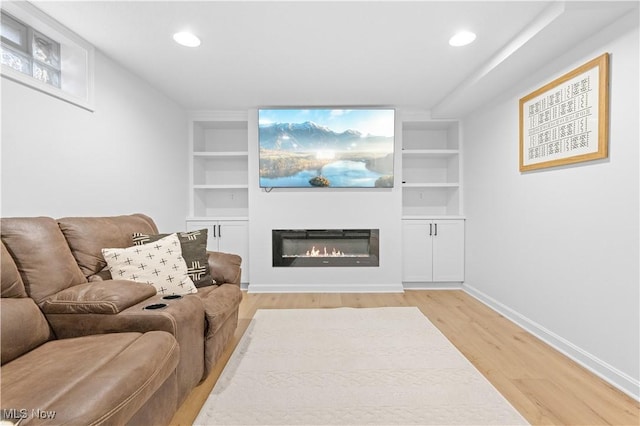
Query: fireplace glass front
<point>325,247</point>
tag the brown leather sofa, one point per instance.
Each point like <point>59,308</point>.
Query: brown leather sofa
<point>118,378</point>
<point>61,265</point>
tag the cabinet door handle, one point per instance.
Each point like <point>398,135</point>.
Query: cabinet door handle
<point>436,233</point>
<point>430,229</point>
<point>214,232</point>
<point>220,231</point>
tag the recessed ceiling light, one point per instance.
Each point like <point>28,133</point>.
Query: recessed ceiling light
<point>462,38</point>
<point>186,39</point>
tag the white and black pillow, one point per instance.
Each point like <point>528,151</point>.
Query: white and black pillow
<point>160,264</point>
<point>194,252</point>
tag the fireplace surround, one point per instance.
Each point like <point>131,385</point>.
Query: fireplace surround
<point>325,247</point>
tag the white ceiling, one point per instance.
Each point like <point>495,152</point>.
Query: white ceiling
<point>286,53</point>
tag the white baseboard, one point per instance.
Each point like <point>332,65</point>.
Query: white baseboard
<point>431,286</point>
<point>325,288</point>
<point>610,374</point>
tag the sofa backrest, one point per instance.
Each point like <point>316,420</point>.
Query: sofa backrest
<point>41,254</point>
<point>22,324</point>
<point>87,236</point>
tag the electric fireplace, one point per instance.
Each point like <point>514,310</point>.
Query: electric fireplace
<point>325,247</point>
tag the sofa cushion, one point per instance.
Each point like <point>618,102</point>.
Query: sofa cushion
<point>220,302</point>
<point>88,235</point>
<point>12,285</point>
<point>99,379</point>
<point>194,252</point>
<point>22,325</point>
<point>160,264</point>
<point>183,318</point>
<point>41,254</point>
<point>23,328</point>
<point>221,311</point>
<point>104,297</point>
<point>225,267</point>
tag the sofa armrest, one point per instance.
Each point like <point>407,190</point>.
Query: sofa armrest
<point>100,297</point>
<point>225,267</point>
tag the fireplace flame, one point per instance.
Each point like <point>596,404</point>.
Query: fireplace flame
<point>317,253</point>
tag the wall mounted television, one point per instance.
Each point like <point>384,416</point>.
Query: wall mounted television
<point>326,147</point>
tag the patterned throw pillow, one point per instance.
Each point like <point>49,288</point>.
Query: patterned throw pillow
<point>160,264</point>
<point>194,251</point>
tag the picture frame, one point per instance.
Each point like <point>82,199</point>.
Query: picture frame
<point>567,120</point>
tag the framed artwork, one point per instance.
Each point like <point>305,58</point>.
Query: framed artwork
<point>567,120</point>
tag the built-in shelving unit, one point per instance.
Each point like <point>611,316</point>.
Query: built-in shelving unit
<point>432,221</point>
<point>219,159</point>
<point>219,181</point>
<point>431,172</point>
<point>430,166</point>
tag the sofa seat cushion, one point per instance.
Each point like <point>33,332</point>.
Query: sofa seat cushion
<point>220,302</point>
<point>90,380</point>
<point>102,297</point>
<point>183,318</point>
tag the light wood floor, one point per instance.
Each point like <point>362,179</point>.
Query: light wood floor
<point>543,385</point>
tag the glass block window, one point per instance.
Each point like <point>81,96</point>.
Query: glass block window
<point>30,52</point>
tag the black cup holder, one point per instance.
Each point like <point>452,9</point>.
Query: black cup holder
<point>172,297</point>
<point>156,306</point>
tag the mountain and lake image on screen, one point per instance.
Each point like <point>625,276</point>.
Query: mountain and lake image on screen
<point>335,148</point>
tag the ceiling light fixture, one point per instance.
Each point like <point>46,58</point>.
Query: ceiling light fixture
<point>186,39</point>
<point>462,38</point>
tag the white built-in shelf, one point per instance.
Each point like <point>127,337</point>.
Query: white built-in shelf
<point>432,217</point>
<point>221,154</point>
<point>430,152</point>
<point>219,165</point>
<point>431,168</point>
<point>430,185</point>
<point>222,186</point>
<point>208,218</point>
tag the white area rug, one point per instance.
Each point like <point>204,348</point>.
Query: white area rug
<point>349,366</point>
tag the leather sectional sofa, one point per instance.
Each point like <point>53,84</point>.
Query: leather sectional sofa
<point>81,344</point>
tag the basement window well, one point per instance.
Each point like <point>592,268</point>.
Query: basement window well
<point>42,54</point>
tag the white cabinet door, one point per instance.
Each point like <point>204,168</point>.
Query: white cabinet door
<point>212,241</point>
<point>433,250</point>
<point>417,251</point>
<point>233,237</point>
<point>448,250</point>
<point>229,236</point>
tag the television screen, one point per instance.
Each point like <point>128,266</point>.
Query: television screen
<point>335,148</point>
